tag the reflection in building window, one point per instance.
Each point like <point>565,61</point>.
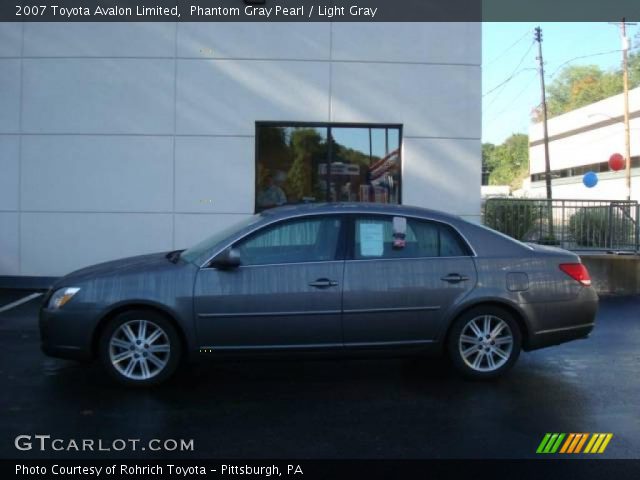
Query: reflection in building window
<point>330,162</point>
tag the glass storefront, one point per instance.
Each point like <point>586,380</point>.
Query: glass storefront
<point>302,163</point>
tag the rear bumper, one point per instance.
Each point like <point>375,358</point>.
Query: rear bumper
<point>560,335</point>
<point>565,321</point>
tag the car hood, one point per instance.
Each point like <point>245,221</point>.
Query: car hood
<point>116,267</point>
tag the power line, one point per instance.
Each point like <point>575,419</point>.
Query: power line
<point>513,74</point>
<point>510,104</point>
<point>499,56</point>
<point>609,52</point>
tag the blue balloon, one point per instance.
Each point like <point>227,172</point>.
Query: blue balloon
<point>590,179</point>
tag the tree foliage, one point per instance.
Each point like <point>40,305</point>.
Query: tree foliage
<point>507,163</point>
<point>580,85</point>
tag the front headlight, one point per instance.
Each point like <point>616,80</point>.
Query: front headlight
<point>62,296</point>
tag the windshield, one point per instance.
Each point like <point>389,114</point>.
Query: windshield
<point>199,249</point>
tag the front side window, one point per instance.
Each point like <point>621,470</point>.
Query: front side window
<point>304,163</point>
<point>306,240</point>
<point>399,237</point>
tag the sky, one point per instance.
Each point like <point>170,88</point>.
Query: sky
<point>509,48</point>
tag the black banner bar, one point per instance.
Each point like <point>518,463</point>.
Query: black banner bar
<point>316,10</point>
<point>323,469</point>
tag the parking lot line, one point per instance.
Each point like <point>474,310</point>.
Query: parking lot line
<point>17,303</point>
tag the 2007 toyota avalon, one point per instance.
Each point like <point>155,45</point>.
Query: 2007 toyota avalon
<point>346,279</point>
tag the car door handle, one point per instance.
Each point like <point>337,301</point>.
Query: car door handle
<point>323,283</point>
<point>454,278</point>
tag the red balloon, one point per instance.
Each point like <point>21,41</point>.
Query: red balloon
<point>616,162</point>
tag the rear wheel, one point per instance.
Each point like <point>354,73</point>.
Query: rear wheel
<point>484,342</point>
<point>140,348</point>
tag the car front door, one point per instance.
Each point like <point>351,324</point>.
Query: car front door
<point>401,277</point>
<point>285,294</point>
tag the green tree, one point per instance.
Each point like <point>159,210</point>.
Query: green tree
<point>507,163</point>
<point>487,152</point>
<point>305,143</point>
<point>580,85</point>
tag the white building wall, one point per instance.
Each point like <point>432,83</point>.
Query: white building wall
<point>120,138</point>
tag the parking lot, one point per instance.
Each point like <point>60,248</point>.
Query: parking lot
<point>396,408</point>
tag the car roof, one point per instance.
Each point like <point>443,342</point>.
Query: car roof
<point>356,207</point>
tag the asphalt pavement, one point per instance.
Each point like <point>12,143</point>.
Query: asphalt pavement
<point>382,408</point>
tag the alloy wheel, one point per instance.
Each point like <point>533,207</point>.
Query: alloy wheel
<point>139,349</point>
<point>485,343</point>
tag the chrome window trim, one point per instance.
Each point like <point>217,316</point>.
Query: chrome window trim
<point>380,259</point>
<point>342,213</point>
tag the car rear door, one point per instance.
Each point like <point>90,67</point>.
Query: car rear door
<point>286,293</point>
<point>397,289</point>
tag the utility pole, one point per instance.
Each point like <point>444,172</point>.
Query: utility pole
<point>625,83</point>
<point>547,163</point>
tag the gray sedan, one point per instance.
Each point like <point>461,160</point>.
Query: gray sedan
<point>356,279</point>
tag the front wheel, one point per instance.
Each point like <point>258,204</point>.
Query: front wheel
<point>140,348</point>
<point>484,342</point>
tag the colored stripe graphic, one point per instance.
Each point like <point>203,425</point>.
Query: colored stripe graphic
<point>605,443</point>
<point>550,443</point>
<point>567,443</point>
<point>573,443</point>
<point>543,443</point>
<point>581,443</point>
<point>598,443</point>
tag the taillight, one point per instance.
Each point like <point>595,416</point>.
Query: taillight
<point>578,272</point>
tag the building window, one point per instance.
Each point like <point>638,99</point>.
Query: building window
<point>580,170</point>
<point>312,162</point>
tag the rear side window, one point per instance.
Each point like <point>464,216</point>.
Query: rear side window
<point>399,237</point>
<point>306,240</point>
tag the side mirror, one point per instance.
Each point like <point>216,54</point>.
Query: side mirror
<point>226,260</point>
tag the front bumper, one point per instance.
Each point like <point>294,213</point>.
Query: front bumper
<point>66,334</point>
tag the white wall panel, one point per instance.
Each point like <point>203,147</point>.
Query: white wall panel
<point>10,39</point>
<point>215,174</point>
<point>56,243</point>
<point>9,95</point>
<point>430,100</point>
<point>192,228</point>
<point>9,243</point>
<point>273,40</point>
<point>443,174</point>
<point>98,127</point>
<point>97,173</point>
<point>99,39</point>
<point>449,42</point>
<point>98,96</point>
<point>226,97</point>
<point>9,171</point>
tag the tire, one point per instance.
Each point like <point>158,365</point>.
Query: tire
<point>131,360</point>
<point>473,354</point>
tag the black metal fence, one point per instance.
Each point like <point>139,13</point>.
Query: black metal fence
<point>608,225</point>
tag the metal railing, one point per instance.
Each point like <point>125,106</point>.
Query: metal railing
<point>608,225</point>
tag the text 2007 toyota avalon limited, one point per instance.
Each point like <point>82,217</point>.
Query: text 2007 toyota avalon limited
<point>331,278</point>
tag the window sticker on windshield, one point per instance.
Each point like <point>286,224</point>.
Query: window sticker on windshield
<point>371,240</point>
